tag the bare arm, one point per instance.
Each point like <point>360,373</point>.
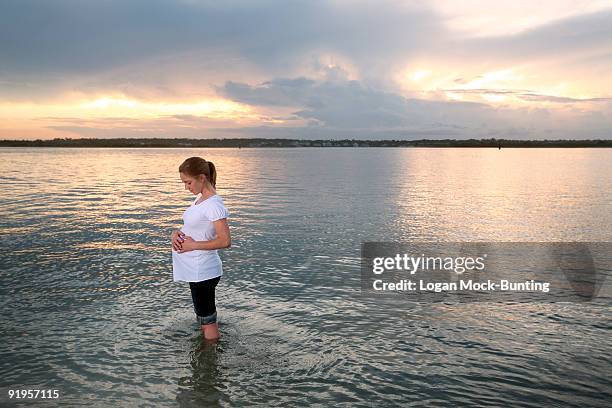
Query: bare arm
<point>223,239</point>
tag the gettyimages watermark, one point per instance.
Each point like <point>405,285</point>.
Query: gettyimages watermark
<point>488,271</point>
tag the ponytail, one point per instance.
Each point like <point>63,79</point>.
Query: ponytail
<point>212,171</point>
<point>195,166</point>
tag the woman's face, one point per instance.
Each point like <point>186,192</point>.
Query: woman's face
<point>192,184</point>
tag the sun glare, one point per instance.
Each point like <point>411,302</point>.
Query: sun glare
<point>107,106</point>
<point>419,75</point>
<point>214,108</point>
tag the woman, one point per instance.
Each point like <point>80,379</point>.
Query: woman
<point>194,246</point>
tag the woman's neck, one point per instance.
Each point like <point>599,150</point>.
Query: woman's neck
<point>206,193</point>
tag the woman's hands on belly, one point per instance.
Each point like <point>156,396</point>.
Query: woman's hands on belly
<point>188,244</point>
<point>177,238</point>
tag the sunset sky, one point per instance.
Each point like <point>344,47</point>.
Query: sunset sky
<point>306,69</point>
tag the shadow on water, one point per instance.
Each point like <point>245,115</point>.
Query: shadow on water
<point>210,362</point>
<point>201,387</point>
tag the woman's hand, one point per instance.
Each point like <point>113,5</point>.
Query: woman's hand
<point>187,245</point>
<point>177,238</point>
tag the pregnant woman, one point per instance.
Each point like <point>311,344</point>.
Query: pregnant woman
<point>194,246</point>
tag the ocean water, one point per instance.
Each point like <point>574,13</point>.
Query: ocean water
<point>89,307</point>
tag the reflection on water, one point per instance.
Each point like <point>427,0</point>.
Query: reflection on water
<point>89,306</point>
<point>200,388</point>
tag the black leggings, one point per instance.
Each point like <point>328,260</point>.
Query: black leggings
<point>203,295</point>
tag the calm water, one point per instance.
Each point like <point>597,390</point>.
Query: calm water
<point>90,308</point>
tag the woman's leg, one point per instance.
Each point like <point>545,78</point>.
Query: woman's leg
<point>203,295</point>
<point>211,331</point>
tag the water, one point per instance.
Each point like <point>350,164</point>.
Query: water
<point>90,308</point>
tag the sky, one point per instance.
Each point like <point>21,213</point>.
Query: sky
<point>334,69</point>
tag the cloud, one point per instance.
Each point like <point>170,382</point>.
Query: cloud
<point>527,95</point>
<point>539,124</point>
<point>154,48</point>
<point>278,92</point>
<point>559,99</point>
<point>350,109</point>
<point>309,67</point>
<point>335,103</point>
<point>570,37</point>
<point>90,45</point>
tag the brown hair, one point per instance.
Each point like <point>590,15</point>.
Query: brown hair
<point>194,166</point>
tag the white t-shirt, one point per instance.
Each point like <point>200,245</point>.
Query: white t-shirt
<point>199,265</point>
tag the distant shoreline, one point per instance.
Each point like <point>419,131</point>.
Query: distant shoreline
<point>255,143</point>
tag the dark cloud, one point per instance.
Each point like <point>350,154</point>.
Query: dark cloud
<point>74,36</point>
<point>79,36</point>
<point>145,48</point>
<point>572,37</point>
<point>129,46</point>
<point>559,99</point>
<point>527,95</point>
<point>278,92</point>
<point>340,107</point>
<point>486,91</point>
<point>341,104</point>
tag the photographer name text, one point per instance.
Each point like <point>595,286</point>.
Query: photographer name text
<point>503,285</point>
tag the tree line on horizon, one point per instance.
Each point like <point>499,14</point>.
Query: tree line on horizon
<point>264,142</point>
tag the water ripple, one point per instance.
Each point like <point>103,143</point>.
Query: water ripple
<point>89,306</point>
